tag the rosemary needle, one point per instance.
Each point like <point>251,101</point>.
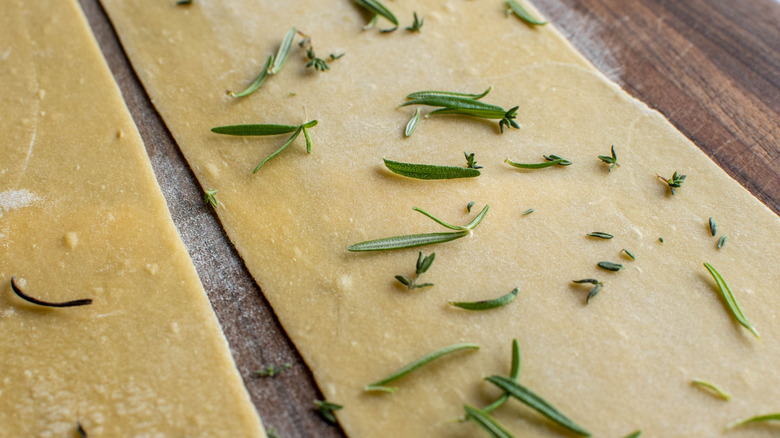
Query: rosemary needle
<point>520,11</point>
<point>326,409</point>
<point>756,419</point>
<point>514,374</point>
<point>258,81</point>
<point>211,198</point>
<point>713,227</point>
<point>600,235</point>
<point>712,389</point>
<point>377,9</point>
<point>430,171</point>
<point>527,212</point>
<point>282,53</point>
<point>628,253</point>
<point>412,125</point>
<point>552,160</point>
<point>594,291</point>
<point>28,298</point>
<point>425,94</point>
<point>487,304</point>
<point>610,266</point>
<point>486,422</point>
<point>730,300</point>
<point>380,384</point>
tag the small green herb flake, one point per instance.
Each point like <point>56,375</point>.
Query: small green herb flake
<point>487,304</point>
<point>282,53</point>
<point>471,162</point>
<point>713,227</point>
<point>731,301</point>
<point>258,81</point>
<point>661,239</point>
<point>721,241</point>
<point>527,212</point>
<point>272,370</point>
<point>520,11</point>
<point>378,10</point>
<point>327,409</point>
<point>430,171</point>
<point>380,384</point>
<point>423,264</point>
<point>412,125</point>
<point>628,253</point>
<point>610,159</point>
<point>486,422</point>
<point>551,160</point>
<point>183,2</point>
<point>80,431</point>
<point>334,57</point>
<point>600,235</point>
<point>597,285</point>
<point>757,419</point>
<point>634,434</point>
<point>469,206</point>
<point>272,433</point>
<point>675,182</point>
<point>417,24</point>
<point>711,389</point>
<point>535,402</point>
<point>211,198</point>
<point>466,105</point>
<point>609,266</point>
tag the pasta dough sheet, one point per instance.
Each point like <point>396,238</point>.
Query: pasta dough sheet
<point>623,362</point>
<point>81,216</point>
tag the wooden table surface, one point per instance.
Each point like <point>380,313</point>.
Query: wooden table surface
<point>712,67</point>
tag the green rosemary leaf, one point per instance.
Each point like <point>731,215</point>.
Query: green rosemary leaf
<point>487,304</point>
<point>520,11</point>
<point>731,301</point>
<point>535,402</point>
<point>478,219</point>
<point>80,431</point>
<point>610,159</point>
<point>600,235</point>
<point>425,94</point>
<point>527,212</point>
<point>29,299</point>
<point>284,146</point>
<point>430,171</point>
<point>661,239</point>
<point>634,434</point>
<point>282,53</point>
<point>456,104</point>
<point>486,422</point>
<point>272,370</point>
<point>261,130</point>
<point>326,409</point>
<point>412,125</point>
<point>307,137</point>
<point>721,241</point>
<point>713,227</point>
<point>551,160</point>
<point>675,182</point>
<point>417,24</point>
<point>628,253</point>
<point>408,241</point>
<point>471,162</point>
<point>380,384</point>
<point>594,291</point>
<point>378,9</point>
<point>756,419</point>
<point>469,206</point>
<point>514,374</point>
<point>609,266</point>
<point>710,388</point>
<point>211,198</point>
<point>258,81</point>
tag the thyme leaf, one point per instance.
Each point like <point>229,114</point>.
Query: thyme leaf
<point>417,24</point>
<point>527,212</point>
<point>28,298</point>
<point>423,264</point>
<point>609,266</point>
<point>471,162</point>
<point>520,11</point>
<point>272,370</point>
<point>628,253</point>
<point>713,227</point>
<point>377,9</point>
<point>551,160</point>
<point>430,171</point>
<point>380,384</point>
<point>211,198</point>
<point>610,159</point>
<point>326,410</point>
<point>731,301</point>
<point>710,388</point>
<point>412,125</point>
<point>483,419</point>
<point>487,304</point>
<point>756,419</point>
<point>600,235</point>
<point>675,182</point>
<point>721,241</point>
<point>597,285</point>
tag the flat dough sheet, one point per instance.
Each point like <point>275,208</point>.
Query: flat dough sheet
<point>623,362</point>
<point>82,216</point>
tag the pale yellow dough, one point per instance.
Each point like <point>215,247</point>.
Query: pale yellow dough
<point>622,363</point>
<point>81,216</point>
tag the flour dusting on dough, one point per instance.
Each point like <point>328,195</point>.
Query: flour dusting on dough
<point>16,199</point>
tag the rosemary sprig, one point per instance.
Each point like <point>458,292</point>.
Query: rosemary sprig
<point>486,422</point>
<point>628,253</point>
<point>527,212</point>
<point>272,370</point>
<point>380,384</point>
<point>552,160</point>
<point>377,9</point>
<point>413,240</point>
<point>728,296</point>
<point>609,266</point>
<point>600,235</point>
<point>535,402</point>
<point>610,159</point>
<point>326,410</point>
<point>412,125</point>
<point>487,304</point>
<point>756,419</point>
<point>710,388</point>
<point>520,11</point>
<point>721,241</point>
<point>597,285</point>
<point>258,81</point>
<point>434,93</point>
<point>713,227</point>
<point>471,162</point>
<point>268,129</point>
<point>211,197</point>
<point>429,171</point>
<point>675,182</point>
<point>417,24</point>
<point>514,374</point>
<point>24,296</point>
<point>457,104</point>
<point>423,264</point>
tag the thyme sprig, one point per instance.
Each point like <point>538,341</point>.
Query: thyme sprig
<point>430,357</point>
<point>319,64</point>
<point>378,10</point>
<point>273,64</point>
<point>463,104</point>
<point>471,162</point>
<point>597,285</point>
<point>494,303</point>
<point>675,182</point>
<point>520,11</point>
<point>327,409</point>
<point>430,171</point>
<point>756,419</point>
<point>269,129</point>
<point>272,370</point>
<point>211,197</point>
<point>711,389</point>
<point>610,159</point>
<point>414,240</point>
<point>423,264</point>
<point>18,291</point>
<point>731,301</point>
<point>483,419</point>
<point>417,24</point>
<point>551,160</point>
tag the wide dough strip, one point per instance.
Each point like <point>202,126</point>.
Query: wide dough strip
<point>81,216</point>
<point>624,362</point>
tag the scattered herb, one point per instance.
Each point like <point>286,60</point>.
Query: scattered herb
<point>713,227</point>
<point>520,11</point>
<point>434,93</point>
<point>552,160</point>
<point>423,263</point>
<point>486,422</point>
<point>609,266</point>
<point>466,105</point>
<point>412,125</point>
<point>675,182</point>
<point>471,162</point>
<point>319,64</point>
<point>272,433</point>
<point>271,370</point>
<point>487,304</point>
<point>514,374</point>
<point>266,129</point>
<point>24,296</point>
<point>527,212</point>
<point>417,24</point>
<point>258,81</point>
<point>610,159</point>
<point>634,434</point>
<point>377,9</point>
<point>334,57</point>
<point>80,432</point>
<point>594,291</point>
<point>430,171</point>
<point>380,385</point>
<point>283,52</point>
<point>721,241</point>
<point>756,419</point>
<point>730,300</point>
<point>413,240</point>
<point>535,402</point>
<point>712,389</point>
<point>326,409</point>
<point>628,253</point>
<point>600,235</point>
<point>661,239</point>
<point>211,198</point>
<point>469,206</point>
<point>183,2</point>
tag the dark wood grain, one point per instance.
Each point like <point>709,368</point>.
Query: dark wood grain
<point>711,67</point>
